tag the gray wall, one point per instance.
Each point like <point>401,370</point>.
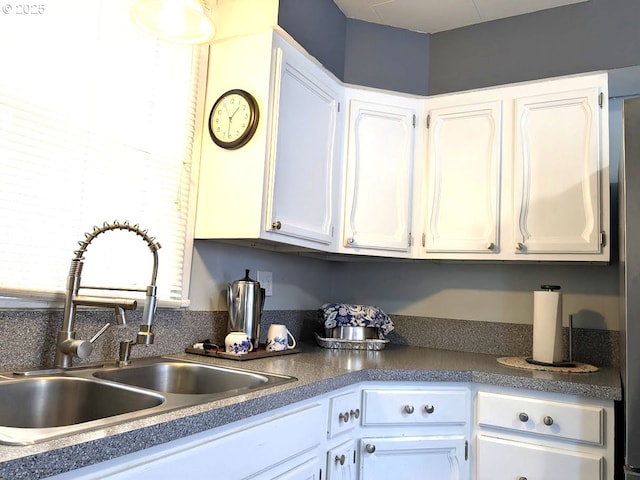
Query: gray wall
<point>358,52</point>
<point>588,36</point>
<point>299,283</point>
<point>320,27</point>
<point>386,57</point>
<point>583,37</point>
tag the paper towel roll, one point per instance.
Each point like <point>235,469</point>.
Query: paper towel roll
<point>547,326</point>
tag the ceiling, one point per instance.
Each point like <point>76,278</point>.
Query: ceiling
<point>431,16</point>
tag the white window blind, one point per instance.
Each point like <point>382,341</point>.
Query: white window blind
<point>97,123</point>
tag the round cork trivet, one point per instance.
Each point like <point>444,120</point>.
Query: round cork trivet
<point>521,362</point>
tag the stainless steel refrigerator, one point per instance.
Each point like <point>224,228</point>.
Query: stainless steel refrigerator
<point>629,211</point>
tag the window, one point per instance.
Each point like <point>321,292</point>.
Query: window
<point>97,123</point>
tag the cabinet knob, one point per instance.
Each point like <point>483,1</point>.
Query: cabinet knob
<point>547,420</point>
<point>520,246</point>
<point>370,448</point>
<point>343,417</point>
<point>277,225</point>
<point>351,240</point>
<point>523,417</point>
<point>522,478</point>
<point>491,246</point>
<point>340,459</point>
<point>408,409</point>
<point>355,413</point>
<point>429,408</point>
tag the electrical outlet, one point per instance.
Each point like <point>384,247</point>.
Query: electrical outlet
<point>266,281</point>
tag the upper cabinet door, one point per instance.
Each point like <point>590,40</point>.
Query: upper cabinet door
<point>558,171</point>
<point>378,190</point>
<point>463,170</point>
<point>301,192</point>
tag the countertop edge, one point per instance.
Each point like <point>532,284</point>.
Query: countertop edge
<point>95,447</point>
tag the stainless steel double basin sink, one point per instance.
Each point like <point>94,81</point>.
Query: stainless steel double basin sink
<point>42,405</point>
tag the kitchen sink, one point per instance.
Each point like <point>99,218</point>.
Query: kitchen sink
<point>58,401</point>
<point>185,378</point>
<point>42,405</point>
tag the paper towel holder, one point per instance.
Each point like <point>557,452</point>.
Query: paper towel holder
<point>550,288</point>
<point>553,288</point>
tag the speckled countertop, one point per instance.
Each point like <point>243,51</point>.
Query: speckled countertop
<point>318,371</point>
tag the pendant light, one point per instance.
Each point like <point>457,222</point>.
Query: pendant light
<point>178,21</point>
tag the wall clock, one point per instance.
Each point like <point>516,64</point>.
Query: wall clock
<point>233,119</point>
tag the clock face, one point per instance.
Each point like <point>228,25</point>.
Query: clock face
<point>233,119</point>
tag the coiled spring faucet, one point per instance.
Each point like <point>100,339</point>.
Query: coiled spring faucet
<point>67,345</point>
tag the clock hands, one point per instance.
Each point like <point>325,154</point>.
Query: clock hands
<point>230,119</point>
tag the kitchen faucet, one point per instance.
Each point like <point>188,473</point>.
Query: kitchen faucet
<point>67,345</point>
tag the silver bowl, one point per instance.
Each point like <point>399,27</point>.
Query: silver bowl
<point>353,333</point>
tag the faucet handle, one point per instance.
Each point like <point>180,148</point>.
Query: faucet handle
<point>100,332</point>
<point>80,348</point>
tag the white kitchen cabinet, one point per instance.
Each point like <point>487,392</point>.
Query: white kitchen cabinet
<point>519,172</point>
<point>558,172</point>
<point>344,413</point>
<point>283,445</point>
<point>303,178</point>
<point>342,462</point>
<point>427,406</point>
<point>500,459</point>
<point>283,186</point>
<point>415,431</point>
<point>522,434</point>
<point>413,457</point>
<point>516,172</point>
<point>464,171</point>
<point>379,173</point>
<point>305,468</point>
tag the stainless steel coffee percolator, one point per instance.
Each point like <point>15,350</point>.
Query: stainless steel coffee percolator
<point>245,300</point>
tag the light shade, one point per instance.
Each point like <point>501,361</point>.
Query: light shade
<point>179,21</point>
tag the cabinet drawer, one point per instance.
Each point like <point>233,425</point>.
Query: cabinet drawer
<point>582,423</point>
<point>417,407</point>
<point>499,459</point>
<point>242,453</point>
<point>344,413</point>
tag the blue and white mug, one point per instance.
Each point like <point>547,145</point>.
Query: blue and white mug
<point>238,343</point>
<point>279,338</point>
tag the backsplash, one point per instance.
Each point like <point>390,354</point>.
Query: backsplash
<point>28,337</point>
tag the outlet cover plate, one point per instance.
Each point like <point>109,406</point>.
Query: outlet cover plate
<point>266,281</point>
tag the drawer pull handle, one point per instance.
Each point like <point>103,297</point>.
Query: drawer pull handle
<point>429,408</point>
<point>548,421</point>
<point>523,417</point>
<point>408,409</point>
<point>370,448</point>
<point>340,459</point>
<point>355,413</point>
<point>343,417</point>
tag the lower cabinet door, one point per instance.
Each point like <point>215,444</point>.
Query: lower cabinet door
<point>437,457</point>
<point>341,462</point>
<point>499,459</point>
<point>305,468</point>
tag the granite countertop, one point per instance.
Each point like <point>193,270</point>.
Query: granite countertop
<point>318,371</point>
